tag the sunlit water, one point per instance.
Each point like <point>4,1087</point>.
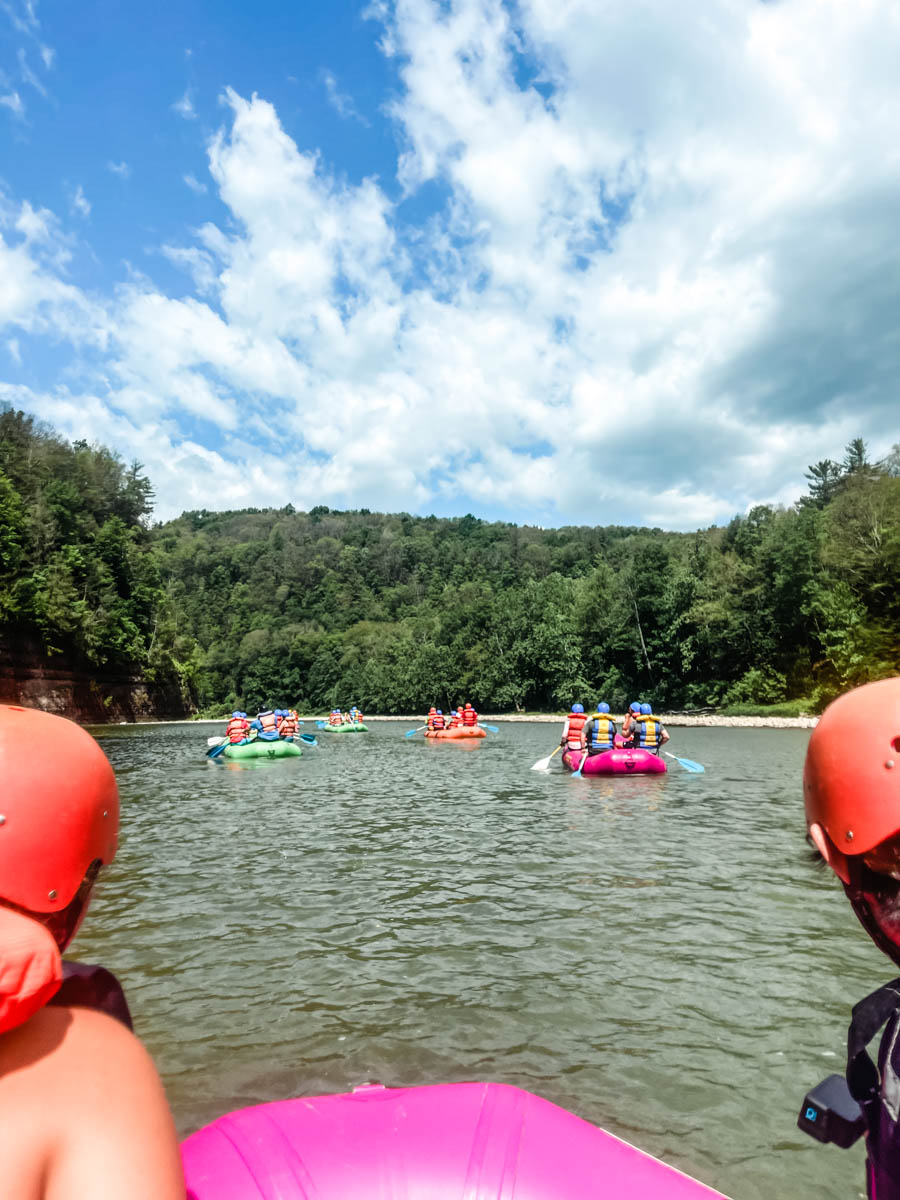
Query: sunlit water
<point>655,954</point>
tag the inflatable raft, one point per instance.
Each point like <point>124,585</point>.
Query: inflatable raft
<point>345,728</point>
<point>282,748</point>
<point>457,732</point>
<point>456,1141</point>
<point>616,762</point>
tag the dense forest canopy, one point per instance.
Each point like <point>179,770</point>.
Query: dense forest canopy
<point>395,612</point>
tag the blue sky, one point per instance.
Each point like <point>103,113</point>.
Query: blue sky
<point>541,262</point>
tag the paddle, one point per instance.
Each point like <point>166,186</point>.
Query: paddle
<point>217,750</point>
<point>215,741</point>
<point>309,738</point>
<point>411,732</point>
<point>543,763</point>
<point>491,728</point>
<point>321,724</point>
<point>576,774</point>
<point>688,763</point>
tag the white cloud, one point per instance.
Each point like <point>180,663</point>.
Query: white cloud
<point>194,184</point>
<point>79,203</point>
<point>121,169</point>
<point>185,107</point>
<point>13,101</point>
<point>340,101</point>
<point>28,76</point>
<point>666,270</point>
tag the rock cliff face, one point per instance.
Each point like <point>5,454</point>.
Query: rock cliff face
<point>59,685</point>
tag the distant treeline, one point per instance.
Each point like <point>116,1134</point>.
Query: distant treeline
<point>395,612</point>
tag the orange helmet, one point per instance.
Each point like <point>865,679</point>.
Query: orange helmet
<point>851,779</point>
<point>59,808</point>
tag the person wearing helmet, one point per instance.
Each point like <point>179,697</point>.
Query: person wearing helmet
<point>82,1109</point>
<point>288,725</point>
<point>429,720</point>
<point>851,792</point>
<point>599,731</point>
<point>649,733</point>
<point>629,726</point>
<point>469,716</point>
<point>438,722</point>
<point>237,728</point>
<point>571,732</point>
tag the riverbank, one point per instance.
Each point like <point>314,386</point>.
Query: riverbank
<point>710,721</point>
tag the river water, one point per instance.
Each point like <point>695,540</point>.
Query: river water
<point>655,954</point>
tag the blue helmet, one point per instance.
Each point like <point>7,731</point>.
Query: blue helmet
<point>646,710</point>
<point>578,708</point>
<point>439,713</point>
<point>603,707</point>
<point>634,706</point>
<point>235,714</point>
<point>244,715</point>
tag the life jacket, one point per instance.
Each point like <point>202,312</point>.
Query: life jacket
<point>573,734</point>
<point>603,729</point>
<point>288,727</point>
<point>85,986</point>
<point>877,1090</point>
<point>647,732</point>
<point>357,718</point>
<point>268,722</point>
<point>335,719</point>
<point>236,730</point>
<point>437,721</point>
<point>470,716</point>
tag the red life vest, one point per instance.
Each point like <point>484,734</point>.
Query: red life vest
<point>287,728</point>
<point>470,716</point>
<point>236,729</point>
<point>437,721</point>
<point>573,736</point>
<point>268,723</point>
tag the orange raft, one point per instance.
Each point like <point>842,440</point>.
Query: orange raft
<point>458,731</point>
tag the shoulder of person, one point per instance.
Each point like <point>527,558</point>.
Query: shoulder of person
<point>113,1133</point>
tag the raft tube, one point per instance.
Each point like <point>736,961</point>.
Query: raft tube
<point>455,1141</point>
<point>282,748</point>
<point>345,728</point>
<point>616,762</point>
<point>458,731</point>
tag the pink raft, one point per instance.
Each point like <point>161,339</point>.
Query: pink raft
<point>457,1141</point>
<point>616,762</point>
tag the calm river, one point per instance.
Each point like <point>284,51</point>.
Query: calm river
<point>655,954</point>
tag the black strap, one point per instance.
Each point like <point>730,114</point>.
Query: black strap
<point>868,1016</point>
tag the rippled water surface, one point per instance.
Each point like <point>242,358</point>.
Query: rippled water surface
<point>655,954</point>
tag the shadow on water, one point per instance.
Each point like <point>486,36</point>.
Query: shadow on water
<point>655,953</point>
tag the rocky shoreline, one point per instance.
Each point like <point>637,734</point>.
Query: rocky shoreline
<point>710,721</point>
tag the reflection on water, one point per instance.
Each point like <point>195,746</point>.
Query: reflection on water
<point>655,954</point>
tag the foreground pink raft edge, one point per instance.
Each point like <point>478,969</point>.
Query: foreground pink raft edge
<point>456,1141</point>
<point>617,762</point>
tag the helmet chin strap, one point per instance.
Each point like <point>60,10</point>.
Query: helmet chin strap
<point>865,903</point>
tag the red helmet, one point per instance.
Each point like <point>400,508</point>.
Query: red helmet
<point>59,808</point>
<point>851,779</point>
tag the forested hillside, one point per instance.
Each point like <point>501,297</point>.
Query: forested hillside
<point>78,575</point>
<point>394,611</point>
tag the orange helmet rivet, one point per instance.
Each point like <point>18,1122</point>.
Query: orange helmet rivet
<point>51,895</point>
<point>849,835</point>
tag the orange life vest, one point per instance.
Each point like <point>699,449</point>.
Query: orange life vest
<point>288,727</point>
<point>268,722</point>
<point>573,736</point>
<point>470,716</point>
<point>437,721</point>
<point>236,729</point>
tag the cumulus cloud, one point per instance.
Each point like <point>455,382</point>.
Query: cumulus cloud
<point>662,269</point>
<point>121,169</point>
<point>13,101</point>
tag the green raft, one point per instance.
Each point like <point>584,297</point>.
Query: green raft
<point>263,749</point>
<point>343,729</point>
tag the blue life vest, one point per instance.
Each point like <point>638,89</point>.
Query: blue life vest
<point>603,730</point>
<point>647,733</point>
